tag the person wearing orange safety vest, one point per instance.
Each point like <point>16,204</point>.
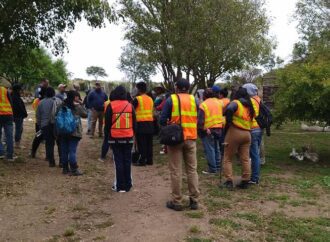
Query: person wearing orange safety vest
<point>256,134</point>
<point>182,108</point>
<point>6,124</point>
<point>210,123</point>
<point>144,107</point>
<point>239,115</point>
<point>120,120</point>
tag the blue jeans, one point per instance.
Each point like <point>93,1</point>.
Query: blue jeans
<point>89,120</point>
<point>18,129</point>
<point>122,154</point>
<point>256,137</point>
<point>8,128</point>
<point>69,151</point>
<point>211,146</point>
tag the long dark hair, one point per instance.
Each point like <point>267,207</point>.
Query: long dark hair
<point>69,101</point>
<point>242,93</point>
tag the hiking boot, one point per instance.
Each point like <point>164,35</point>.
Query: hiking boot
<point>229,185</point>
<point>193,204</point>
<point>175,207</point>
<point>243,185</point>
<point>76,173</point>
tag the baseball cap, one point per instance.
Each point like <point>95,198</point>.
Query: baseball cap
<point>183,84</point>
<point>216,89</point>
<point>62,85</point>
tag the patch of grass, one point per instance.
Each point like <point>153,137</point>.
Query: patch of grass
<point>214,205</point>
<point>79,207</point>
<point>214,191</point>
<point>221,222</point>
<point>308,194</point>
<point>54,238</point>
<point>99,238</point>
<point>49,210</point>
<point>194,229</point>
<point>198,240</point>
<point>195,214</point>
<point>252,217</point>
<point>105,224</point>
<point>276,197</point>
<point>298,229</point>
<point>69,232</point>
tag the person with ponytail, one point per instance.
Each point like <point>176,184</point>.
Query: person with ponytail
<point>239,116</point>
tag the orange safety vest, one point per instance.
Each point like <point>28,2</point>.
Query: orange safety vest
<point>256,106</point>
<point>123,127</point>
<point>241,118</point>
<point>144,110</point>
<point>212,108</point>
<point>35,104</point>
<point>5,106</point>
<point>106,103</point>
<point>188,111</point>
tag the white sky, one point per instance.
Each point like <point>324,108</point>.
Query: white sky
<point>102,47</point>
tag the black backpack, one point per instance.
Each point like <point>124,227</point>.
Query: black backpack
<point>172,134</point>
<point>265,117</point>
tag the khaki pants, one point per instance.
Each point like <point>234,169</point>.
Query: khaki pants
<point>237,140</point>
<point>97,115</point>
<point>187,152</point>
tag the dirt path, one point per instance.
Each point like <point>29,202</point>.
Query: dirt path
<point>38,203</point>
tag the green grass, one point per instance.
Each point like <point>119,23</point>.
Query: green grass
<point>198,240</point>
<point>69,232</point>
<point>105,224</point>
<point>194,229</point>
<point>227,223</point>
<point>195,214</point>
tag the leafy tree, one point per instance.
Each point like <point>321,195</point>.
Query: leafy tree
<point>25,22</point>
<point>202,38</point>
<point>32,66</point>
<point>96,72</point>
<point>135,64</point>
<point>304,84</point>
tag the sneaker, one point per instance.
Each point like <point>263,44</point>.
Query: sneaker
<point>122,191</point>
<point>2,157</point>
<point>229,185</point>
<point>193,204</point>
<point>243,185</point>
<point>209,173</point>
<point>76,173</point>
<point>253,182</point>
<point>175,207</point>
<point>113,188</point>
<point>161,152</point>
<point>101,160</point>
<point>12,159</point>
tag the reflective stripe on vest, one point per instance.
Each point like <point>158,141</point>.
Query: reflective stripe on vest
<point>256,106</point>
<point>123,127</point>
<point>212,108</point>
<point>144,110</point>
<point>241,118</point>
<point>106,103</point>
<point>5,106</point>
<point>188,114</point>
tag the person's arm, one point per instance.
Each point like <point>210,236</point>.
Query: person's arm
<point>201,119</point>
<point>107,119</point>
<point>229,113</point>
<point>166,112</point>
<point>135,103</point>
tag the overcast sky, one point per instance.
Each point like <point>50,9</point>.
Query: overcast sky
<point>102,47</point>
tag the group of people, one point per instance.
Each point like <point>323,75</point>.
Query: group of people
<point>225,127</point>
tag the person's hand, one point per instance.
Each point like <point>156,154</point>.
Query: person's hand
<point>208,131</point>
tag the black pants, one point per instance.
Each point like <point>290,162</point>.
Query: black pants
<point>36,141</point>
<point>122,154</point>
<point>48,135</point>
<point>144,143</point>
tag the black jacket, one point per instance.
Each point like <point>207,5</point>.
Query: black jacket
<point>19,110</point>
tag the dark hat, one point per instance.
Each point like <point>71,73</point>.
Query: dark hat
<point>183,84</point>
<point>17,87</point>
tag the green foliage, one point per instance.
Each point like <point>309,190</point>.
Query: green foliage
<point>30,66</point>
<point>96,72</point>
<point>135,64</point>
<point>28,23</point>
<point>178,36</point>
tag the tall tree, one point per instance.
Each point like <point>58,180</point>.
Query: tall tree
<point>135,64</point>
<point>201,38</point>
<point>29,23</point>
<point>96,72</point>
<point>34,65</point>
